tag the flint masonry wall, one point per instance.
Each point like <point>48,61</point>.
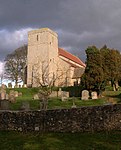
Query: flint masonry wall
<point>82,119</point>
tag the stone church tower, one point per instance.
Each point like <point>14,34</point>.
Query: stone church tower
<point>42,52</point>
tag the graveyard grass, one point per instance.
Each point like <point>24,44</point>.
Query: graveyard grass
<point>11,140</point>
<point>56,103</point>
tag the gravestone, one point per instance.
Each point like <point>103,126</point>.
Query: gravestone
<point>4,104</point>
<point>12,97</point>
<point>3,86</point>
<point>2,94</point>
<point>36,97</point>
<point>63,99</point>
<point>85,95</point>
<point>59,93</point>
<point>94,95</point>
<point>24,85</point>
<point>20,94</point>
<point>16,93</point>
<point>117,87</point>
<point>64,96</point>
<point>54,94</point>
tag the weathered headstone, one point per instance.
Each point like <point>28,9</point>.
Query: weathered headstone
<point>12,97</point>
<point>117,87</point>
<point>20,94</point>
<point>63,99</point>
<point>4,104</point>
<point>16,93</point>
<point>64,96</point>
<point>3,95</point>
<point>94,95</point>
<point>3,86</point>
<point>3,92</point>
<point>85,95</point>
<point>36,97</point>
<point>114,88</point>
<point>53,94</point>
<point>59,92</point>
<point>25,85</point>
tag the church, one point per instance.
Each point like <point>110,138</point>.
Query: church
<point>47,64</point>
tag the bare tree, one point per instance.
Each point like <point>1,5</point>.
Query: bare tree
<point>46,81</point>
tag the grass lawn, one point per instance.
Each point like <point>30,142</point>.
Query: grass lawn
<point>55,103</point>
<point>10,140</point>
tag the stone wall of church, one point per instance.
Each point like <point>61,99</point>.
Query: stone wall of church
<point>42,48</point>
<point>65,71</point>
<point>96,118</point>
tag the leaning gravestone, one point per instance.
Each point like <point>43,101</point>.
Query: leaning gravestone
<point>85,95</point>
<point>94,95</point>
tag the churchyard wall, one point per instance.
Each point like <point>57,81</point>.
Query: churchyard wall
<point>91,119</point>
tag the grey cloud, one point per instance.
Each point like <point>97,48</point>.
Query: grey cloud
<point>79,23</point>
<point>23,13</point>
<point>10,40</point>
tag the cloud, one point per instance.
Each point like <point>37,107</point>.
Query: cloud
<point>10,40</point>
<point>78,23</point>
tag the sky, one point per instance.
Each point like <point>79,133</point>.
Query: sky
<point>79,23</point>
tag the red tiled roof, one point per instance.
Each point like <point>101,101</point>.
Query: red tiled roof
<point>70,56</point>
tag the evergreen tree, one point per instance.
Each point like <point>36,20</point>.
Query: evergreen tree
<point>93,77</point>
<point>111,62</point>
